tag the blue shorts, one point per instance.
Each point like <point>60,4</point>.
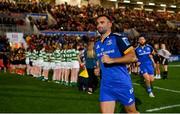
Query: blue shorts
<point>146,68</point>
<point>123,95</point>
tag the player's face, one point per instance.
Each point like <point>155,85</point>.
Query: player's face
<point>103,25</point>
<point>142,41</point>
<point>156,46</point>
<point>163,46</point>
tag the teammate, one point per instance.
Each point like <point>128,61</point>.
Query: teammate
<point>116,83</point>
<point>146,63</point>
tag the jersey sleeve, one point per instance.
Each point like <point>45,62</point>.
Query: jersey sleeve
<point>123,44</point>
<point>136,51</point>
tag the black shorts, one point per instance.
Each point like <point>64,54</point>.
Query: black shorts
<point>157,59</point>
<point>164,61</point>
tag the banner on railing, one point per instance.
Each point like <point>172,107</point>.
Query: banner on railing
<point>16,40</point>
<point>38,16</point>
<point>69,33</point>
<point>174,58</point>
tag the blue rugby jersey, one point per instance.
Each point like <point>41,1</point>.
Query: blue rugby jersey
<point>143,53</point>
<point>113,74</point>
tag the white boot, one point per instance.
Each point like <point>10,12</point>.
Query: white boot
<point>159,76</point>
<point>151,95</point>
<point>156,76</point>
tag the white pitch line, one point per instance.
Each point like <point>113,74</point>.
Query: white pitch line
<point>173,65</point>
<point>165,107</point>
<point>156,87</point>
<point>162,108</point>
<point>175,91</point>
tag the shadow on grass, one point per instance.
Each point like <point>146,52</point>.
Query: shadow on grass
<point>141,82</point>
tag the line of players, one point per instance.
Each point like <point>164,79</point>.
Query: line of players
<point>64,62</point>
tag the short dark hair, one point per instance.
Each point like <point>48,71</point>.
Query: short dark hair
<point>142,35</point>
<point>103,15</point>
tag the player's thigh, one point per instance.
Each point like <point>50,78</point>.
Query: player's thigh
<point>151,77</point>
<point>107,106</point>
<point>131,108</point>
<point>146,76</point>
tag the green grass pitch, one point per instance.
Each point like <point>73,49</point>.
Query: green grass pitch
<point>27,94</point>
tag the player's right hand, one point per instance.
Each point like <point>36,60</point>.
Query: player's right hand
<point>106,59</point>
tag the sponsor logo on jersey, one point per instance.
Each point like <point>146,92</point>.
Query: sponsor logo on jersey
<point>130,100</point>
<point>109,42</point>
<point>97,47</point>
<point>125,40</point>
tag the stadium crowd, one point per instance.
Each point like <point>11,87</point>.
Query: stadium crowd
<point>74,18</point>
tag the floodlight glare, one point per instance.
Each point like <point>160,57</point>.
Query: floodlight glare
<point>113,0</point>
<point>163,5</point>
<point>126,1</point>
<point>139,2</point>
<point>173,6</point>
<point>151,4</point>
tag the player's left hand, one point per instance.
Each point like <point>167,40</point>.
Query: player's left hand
<point>106,59</point>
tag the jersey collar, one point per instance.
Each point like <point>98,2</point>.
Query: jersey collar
<point>107,37</point>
